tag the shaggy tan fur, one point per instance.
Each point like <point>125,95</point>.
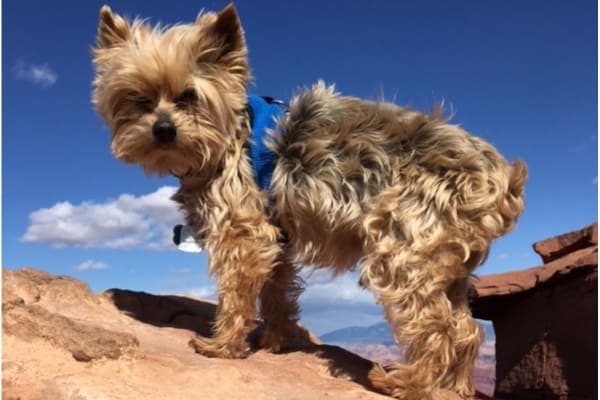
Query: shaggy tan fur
<point>408,198</point>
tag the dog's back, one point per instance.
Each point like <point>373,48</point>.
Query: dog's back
<point>337,155</point>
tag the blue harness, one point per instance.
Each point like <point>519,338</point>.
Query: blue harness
<point>263,114</point>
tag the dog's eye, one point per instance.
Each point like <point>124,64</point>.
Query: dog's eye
<point>187,97</point>
<point>142,102</point>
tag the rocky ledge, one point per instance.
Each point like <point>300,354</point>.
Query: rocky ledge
<point>61,341</point>
<point>546,321</point>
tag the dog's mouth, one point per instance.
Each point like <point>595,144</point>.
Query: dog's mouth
<point>165,153</point>
<point>171,159</point>
<point>167,162</point>
<point>175,154</point>
<point>162,146</point>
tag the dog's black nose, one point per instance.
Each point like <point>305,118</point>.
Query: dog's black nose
<point>164,131</point>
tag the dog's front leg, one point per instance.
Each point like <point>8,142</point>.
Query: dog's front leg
<point>243,252</point>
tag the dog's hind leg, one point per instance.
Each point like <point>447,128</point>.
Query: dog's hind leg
<point>469,336</point>
<point>420,315</point>
<point>410,266</point>
<point>279,307</point>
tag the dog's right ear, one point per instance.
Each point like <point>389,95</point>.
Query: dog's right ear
<point>112,29</point>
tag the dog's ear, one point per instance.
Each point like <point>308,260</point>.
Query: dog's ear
<point>112,29</point>
<point>229,29</point>
<point>222,38</point>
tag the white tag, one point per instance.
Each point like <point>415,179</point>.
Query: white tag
<point>188,241</point>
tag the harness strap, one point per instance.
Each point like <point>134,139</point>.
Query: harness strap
<point>263,112</point>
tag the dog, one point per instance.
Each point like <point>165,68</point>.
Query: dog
<point>407,198</point>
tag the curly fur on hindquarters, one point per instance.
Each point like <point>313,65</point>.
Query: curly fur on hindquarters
<point>409,198</point>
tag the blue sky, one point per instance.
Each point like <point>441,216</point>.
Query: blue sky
<point>522,75</point>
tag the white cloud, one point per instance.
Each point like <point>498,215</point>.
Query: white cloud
<point>203,292</point>
<point>90,264</point>
<point>331,302</point>
<point>503,256</point>
<point>127,222</point>
<point>314,276</point>
<point>184,270</point>
<point>325,290</point>
<point>41,75</point>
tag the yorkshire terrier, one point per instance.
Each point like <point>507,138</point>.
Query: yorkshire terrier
<point>409,199</point>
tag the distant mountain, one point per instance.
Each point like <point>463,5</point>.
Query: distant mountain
<point>375,334</point>
<point>379,334</point>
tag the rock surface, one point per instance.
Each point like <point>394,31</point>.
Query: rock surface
<point>61,341</point>
<point>515,282</point>
<point>546,321</point>
<point>558,246</point>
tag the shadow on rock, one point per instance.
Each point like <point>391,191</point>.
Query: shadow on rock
<point>341,362</point>
<point>197,316</point>
<point>166,310</point>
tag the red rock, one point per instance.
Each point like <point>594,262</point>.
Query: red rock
<point>546,320</point>
<point>556,247</point>
<point>519,281</point>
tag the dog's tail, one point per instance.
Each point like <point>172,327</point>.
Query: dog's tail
<point>503,208</point>
<point>511,205</point>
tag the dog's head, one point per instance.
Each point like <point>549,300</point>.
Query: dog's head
<point>171,97</point>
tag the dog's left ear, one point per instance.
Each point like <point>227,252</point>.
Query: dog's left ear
<point>222,38</point>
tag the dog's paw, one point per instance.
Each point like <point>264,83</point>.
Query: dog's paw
<point>273,341</point>
<point>290,336</point>
<point>394,382</point>
<point>210,347</point>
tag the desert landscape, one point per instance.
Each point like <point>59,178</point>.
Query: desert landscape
<point>62,341</point>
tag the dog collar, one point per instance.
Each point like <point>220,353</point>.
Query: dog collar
<point>263,113</point>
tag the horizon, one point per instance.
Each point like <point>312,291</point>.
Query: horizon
<point>521,76</point>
